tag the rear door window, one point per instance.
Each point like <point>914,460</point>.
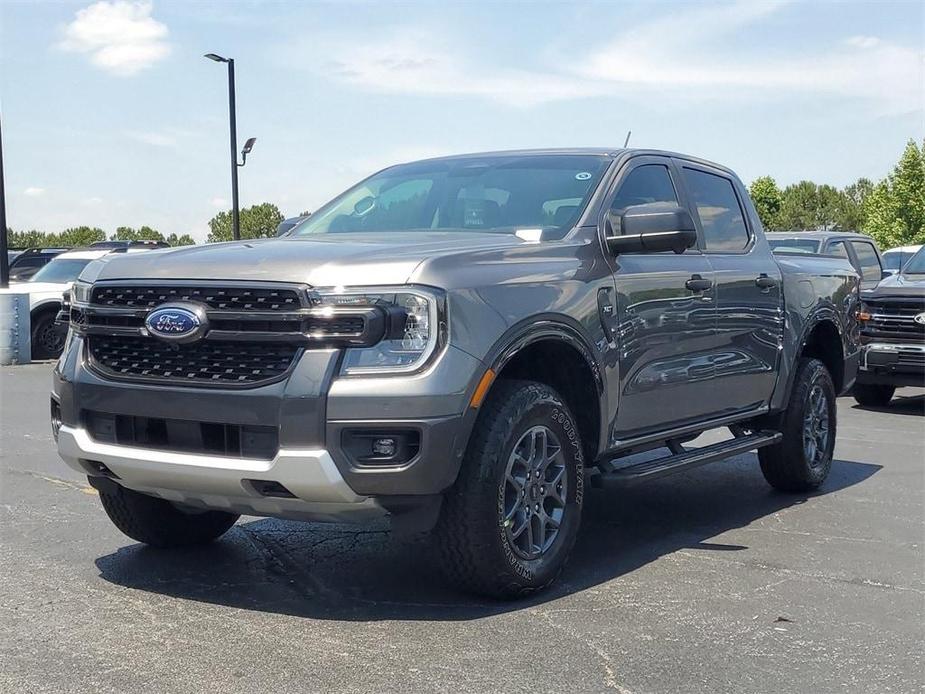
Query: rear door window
<point>720,212</point>
<point>868,261</point>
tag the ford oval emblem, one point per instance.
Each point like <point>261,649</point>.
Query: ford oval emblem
<point>178,322</point>
<point>919,318</point>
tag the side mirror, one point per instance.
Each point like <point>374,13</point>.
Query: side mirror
<point>650,228</point>
<point>887,273</point>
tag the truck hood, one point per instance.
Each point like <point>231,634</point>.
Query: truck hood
<point>321,261</point>
<point>899,285</point>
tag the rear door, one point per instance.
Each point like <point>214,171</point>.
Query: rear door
<point>749,315</point>
<point>666,316</point>
<point>867,262</point>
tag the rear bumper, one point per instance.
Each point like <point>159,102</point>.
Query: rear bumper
<point>892,363</point>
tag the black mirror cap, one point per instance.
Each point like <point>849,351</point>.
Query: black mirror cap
<point>652,228</point>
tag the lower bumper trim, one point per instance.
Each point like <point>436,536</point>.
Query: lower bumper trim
<point>215,482</point>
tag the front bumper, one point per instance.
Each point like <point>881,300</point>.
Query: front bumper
<point>892,363</point>
<point>225,484</point>
<point>312,412</point>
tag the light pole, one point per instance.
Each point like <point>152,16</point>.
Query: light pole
<point>235,217</point>
<point>4,258</point>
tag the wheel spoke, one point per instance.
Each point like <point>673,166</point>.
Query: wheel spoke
<point>540,533</point>
<point>534,491</point>
<point>518,504</point>
<point>517,532</point>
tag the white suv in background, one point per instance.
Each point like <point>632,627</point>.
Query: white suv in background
<point>46,290</point>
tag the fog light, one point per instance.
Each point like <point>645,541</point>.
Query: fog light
<point>365,447</point>
<point>384,448</point>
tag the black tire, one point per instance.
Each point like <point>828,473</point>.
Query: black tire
<point>159,523</point>
<point>872,394</point>
<point>474,539</point>
<point>47,338</point>
<point>787,466</point>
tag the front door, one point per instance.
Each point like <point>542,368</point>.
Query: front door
<point>666,313</point>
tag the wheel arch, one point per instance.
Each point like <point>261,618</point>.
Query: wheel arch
<point>553,350</point>
<point>822,338</point>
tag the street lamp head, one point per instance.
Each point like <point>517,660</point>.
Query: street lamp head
<point>216,58</point>
<point>249,145</point>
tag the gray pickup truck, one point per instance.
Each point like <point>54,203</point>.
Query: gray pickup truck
<point>462,344</point>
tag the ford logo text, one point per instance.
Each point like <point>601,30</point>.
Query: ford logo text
<point>178,322</point>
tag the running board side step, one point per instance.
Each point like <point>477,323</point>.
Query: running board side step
<point>682,461</point>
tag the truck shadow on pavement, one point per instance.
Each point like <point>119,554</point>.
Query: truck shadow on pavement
<point>901,404</point>
<point>344,573</point>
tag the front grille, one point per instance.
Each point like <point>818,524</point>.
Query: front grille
<point>184,436</point>
<point>911,358</point>
<point>894,318</point>
<point>215,363</point>
<point>220,298</point>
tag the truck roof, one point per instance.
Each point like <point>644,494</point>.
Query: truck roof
<point>816,235</point>
<point>608,152</point>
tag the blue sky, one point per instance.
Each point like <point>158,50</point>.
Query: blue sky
<point>111,116</point>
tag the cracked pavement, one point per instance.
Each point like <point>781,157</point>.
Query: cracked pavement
<point>706,581</point>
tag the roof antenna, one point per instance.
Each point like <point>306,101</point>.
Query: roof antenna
<point>627,141</point>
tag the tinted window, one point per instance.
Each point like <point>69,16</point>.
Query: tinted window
<point>837,248</point>
<point>61,270</point>
<point>794,246</point>
<point>32,261</point>
<point>916,266</point>
<point>867,258</point>
<point>498,194</point>
<point>720,213</point>
<point>645,184</point>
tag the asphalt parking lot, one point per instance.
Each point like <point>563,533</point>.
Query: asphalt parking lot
<point>707,581</point>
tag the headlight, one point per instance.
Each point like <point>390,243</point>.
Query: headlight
<point>416,328</point>
<point>80,292</point>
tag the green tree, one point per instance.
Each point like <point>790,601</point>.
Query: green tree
<point>851,211</point>
<point>808,206</point>
<point>259,221</point>
<point>767,199</point>
<point>144,233</point>
<point>27,239</point>
<point>81,236</point>
<point>894,212</point>
<point>183,240</point>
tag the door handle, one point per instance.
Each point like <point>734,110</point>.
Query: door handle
<point>765,282</point>
<point>698,284</point>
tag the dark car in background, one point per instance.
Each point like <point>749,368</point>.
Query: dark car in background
<point>30,261</point>
<point>893,335</point>
<point>860,250</point>
<point>288,225</point>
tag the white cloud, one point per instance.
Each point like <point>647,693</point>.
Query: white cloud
<point>218,202</point>
<point>33,191</point>
<point>156,139</point>
<point>862,41</point>
<point>412,62</point>
<point>683,53</point>
<point>121,37</point>
<point>92,201</point>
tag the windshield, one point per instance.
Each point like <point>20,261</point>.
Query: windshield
<point>503,194</point>
<point>60,270</point>
<point>916,264</point>
<point>794,245</point>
